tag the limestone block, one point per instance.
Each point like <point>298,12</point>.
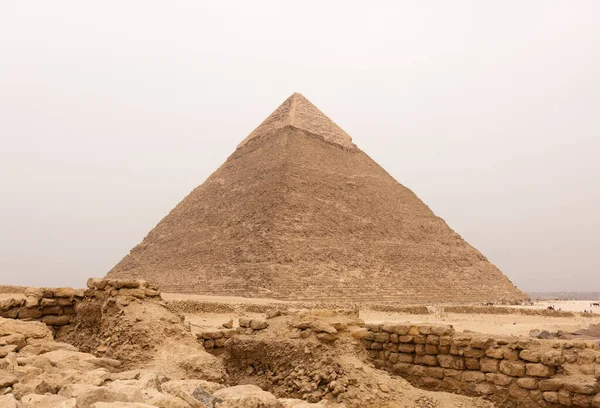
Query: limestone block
<point>393,358</point>
<point>373,327</point>
<point>405,339</point>
<point>480,343</point>
<point>531,356</point>
<point>472,363</point>
<point>510,354</point>
<point>389,328</point>
<point>432,339</point>
<point>425,330</point>
<point>426,360</point>
<point>32,301</point>
<point>435,372</point>
<point>431,349</point>
<point>29,314</point>
<point>418,370</point>
<point>498,379</point>
<point>442,330</point>
<point>482,388</point>
<point>414,331</point>
<point>217,334</point>
<point>52,310</point>
<point>539,370</point>
<point>552,358</point>
<point>527,383</point>
<point>420,349</point>
<point>450,361</point>
<point>53,320</point>
<point>376,346</point>
<point>402,368</point>
<point>450,373</point>
<point>551,397</point>
<point>497,353</point>
<point>137,293</point>
<point>512,368</point>
<point>406,348</point>
<point>382,337</point>
<point>245,322</point>
<point>473,352</point>
<point>473,376</point>
<point>406,358</point>
<point>220,342</point>
<point>394,338</point>
<point>445,340</point>
<point>596,401</point>
<point>489,365</point>
<point>462,340</point>
<point>564,398</point>
<point>517,392</point>
<point>586,356</point>
<point>260,324</point>
<point>444,349</point>
<point>208,344</point>
<point>48,302</point>
<point>420,339</point>
<point>580,400</point>
<point>582,385</point>
<point>551,384</point>
<point>402,329</point>
<point>431,382</point>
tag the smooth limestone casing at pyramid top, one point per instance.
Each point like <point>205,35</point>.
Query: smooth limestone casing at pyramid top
<point>299,212</point>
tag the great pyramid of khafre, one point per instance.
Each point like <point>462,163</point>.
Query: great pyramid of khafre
<point>299,212</point>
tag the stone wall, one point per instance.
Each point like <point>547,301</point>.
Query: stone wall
<point>511,371</point>
<point>57,306</point>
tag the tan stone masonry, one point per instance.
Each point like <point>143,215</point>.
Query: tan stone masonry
<point>511,371</point>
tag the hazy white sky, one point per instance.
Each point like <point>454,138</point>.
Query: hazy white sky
<point>112,111</point>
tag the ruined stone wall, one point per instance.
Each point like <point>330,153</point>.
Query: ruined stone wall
<point>514,372</point>
<point>57,306</point>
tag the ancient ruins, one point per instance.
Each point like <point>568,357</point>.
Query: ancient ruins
<point>299,212</point>
<point>299,275</point>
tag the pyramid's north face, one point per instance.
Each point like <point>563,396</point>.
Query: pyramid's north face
<point>299,212</point>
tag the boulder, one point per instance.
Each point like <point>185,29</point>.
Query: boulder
<point>8,401</point>
<point>246,396</point>
<point>7,379</point>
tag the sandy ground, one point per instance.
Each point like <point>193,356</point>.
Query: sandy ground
<point>491,324</point>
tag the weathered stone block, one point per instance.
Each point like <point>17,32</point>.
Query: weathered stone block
<point>52,310</point>
<point>450,373</point>
<point>382,337</point>
<point>420,339</point>
<point>29,314</point>
<point>582,385</point>
<point>402,368</point>
<point>431,349</point>
<point>414,331</point>
<point>553,358</point>
<point>472,363</point>
<point>393,358</point>
<point>512,368</point>
<point>426,360</point>
<point>564,398</point>
<point>406,348</point>
<point>406,358</point>
<point>444,349</point>
<point>498,379</point>
<point>551,397</point>
<point>405,339</point>
<point>517,392</point>
<point>462,340</point>
<point>489,365</point>
<point>53,320</point>
<point>580,400</point>
<point>510,354</point>
<point>473,376</point>
<point>527,383</point>
<point>389,328</point>
<point>48,302</point>
<point>531,356</point>
<point>480,343</point>
<point>432,339</point>
<point>445,341</point>
<point>431,383</point>
<point>450,361</point>
<point>497,353</point>
<point>435,372</point>
<point>539,370</point>
<point>473,352</point>
<point>420,349</point>
<point>418,370</point>
<point>551,384</point>
<point>394,338</point>
<point>442,330</point>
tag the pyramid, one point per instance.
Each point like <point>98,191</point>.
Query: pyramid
<point>299,212</point>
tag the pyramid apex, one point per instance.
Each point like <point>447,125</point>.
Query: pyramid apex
<point>298,112</point>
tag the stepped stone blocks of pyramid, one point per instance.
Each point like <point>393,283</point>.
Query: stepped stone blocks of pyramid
<point>298,212</point>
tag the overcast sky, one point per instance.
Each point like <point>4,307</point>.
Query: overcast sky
<point>112,111</point>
